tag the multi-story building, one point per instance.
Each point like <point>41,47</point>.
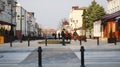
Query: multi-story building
<point>7,14</point>
<point>15,20</point>
<point>31,22</point>
<point>111,21</point>
<point>113,6</point>
<point>21,19</point>
<point>76,19</point>
<point>37,29</point>
<point>7,18</point>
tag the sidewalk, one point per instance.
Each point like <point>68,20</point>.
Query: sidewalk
<point>92,44</point>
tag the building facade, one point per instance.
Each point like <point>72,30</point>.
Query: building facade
<point>7,19</point>
<point>76,19</point>
<point>21,21</point>
<point>25,22</point>
<point>16,21</point>
<point>31,24</point>
<point>111,21</point>
<point>7,14</point>
<point>113,6</point>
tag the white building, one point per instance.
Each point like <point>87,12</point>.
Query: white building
<point>21,21</point>
<point>31,22</point>
<point>113,6</point>
<point>76,19</point>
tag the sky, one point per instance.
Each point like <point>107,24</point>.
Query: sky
<point>50,13</point>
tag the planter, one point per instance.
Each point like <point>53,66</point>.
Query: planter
<point>111,40</point>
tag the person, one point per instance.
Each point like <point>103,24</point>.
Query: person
<point>58,35</point>
<point>55,36</point>
<point>75,35</point>
<point>69,36</point>
<point>62,33</point>
<point>66,35</point>
<point>63,37</point>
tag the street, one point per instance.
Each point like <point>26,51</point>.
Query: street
<point>56,55</point>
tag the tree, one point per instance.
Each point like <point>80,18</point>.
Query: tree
<point>93,12</point>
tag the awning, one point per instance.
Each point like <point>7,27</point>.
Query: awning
<point>6,23</point>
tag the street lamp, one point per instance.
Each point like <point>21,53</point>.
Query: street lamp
<point>29,32</point>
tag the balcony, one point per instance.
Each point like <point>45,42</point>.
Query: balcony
<point>5,17</point>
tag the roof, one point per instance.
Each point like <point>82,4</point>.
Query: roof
<point>111,16</point>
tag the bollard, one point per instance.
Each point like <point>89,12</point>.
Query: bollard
<point>10,43</point>
<point>39,57</point>
<point>115,41</point>
<point>45,41</point>
<point>80,42</point>
<point>82,56</point>
<point>28,42</point>
<point>97,40</point>
<point>63,41</point>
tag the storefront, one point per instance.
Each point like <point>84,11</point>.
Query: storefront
<point>5,31</point>
<point>111,23</point>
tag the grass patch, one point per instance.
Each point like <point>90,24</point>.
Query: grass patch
<point>50,42</point>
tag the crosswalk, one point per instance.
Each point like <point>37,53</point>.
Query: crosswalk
<point>100,57</point>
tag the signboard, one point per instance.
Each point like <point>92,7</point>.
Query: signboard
<point>97,28</point>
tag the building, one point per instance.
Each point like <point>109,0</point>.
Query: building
<point>111,21</point>
<point>76,19</point>
<point>7,14</point>
<point>25,22</point>
<point>48,31</point>
<point>21,21</point>
<point>7,18</point>
<point>113,6</point>
<point>15,21</point>
<point>31,24</point>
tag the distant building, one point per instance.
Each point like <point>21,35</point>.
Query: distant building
<point>48,31</point>
<point>76,19</point>
<point>31,22</point>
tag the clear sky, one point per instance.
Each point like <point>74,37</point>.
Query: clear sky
<point>49,13</point>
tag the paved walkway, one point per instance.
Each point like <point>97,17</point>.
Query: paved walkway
<point>56,55</point>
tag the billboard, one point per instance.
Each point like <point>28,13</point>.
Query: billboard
<point>97,28</point>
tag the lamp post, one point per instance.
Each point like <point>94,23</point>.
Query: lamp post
<point>29,32</point>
